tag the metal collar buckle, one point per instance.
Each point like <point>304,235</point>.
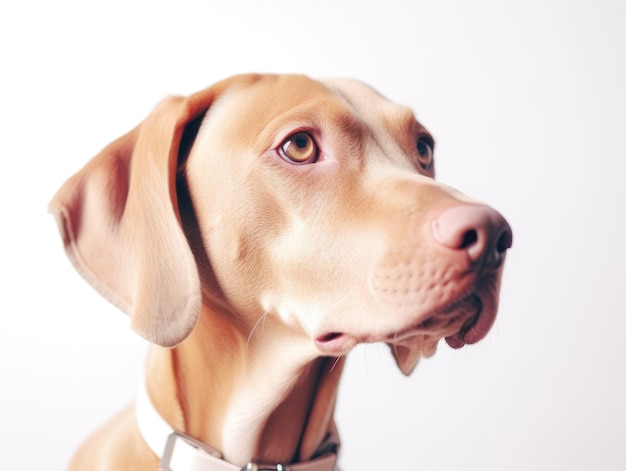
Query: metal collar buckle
<point>259,467</point>
<point>171,441</point>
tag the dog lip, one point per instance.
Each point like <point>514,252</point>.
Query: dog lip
<point>335,343</point>
<point>458,340</point>
<point>478,314</point>
<point>437,321</point>
<point>329,337</point>
<point>476,328</point>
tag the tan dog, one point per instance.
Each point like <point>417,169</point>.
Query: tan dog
<point>255,232</point>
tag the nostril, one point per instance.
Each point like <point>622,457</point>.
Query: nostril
<point>469,239</point>
<point>505,241</point>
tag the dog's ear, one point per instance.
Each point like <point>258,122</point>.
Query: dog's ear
<point>120,222</point>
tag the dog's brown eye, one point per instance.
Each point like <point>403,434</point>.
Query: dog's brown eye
<point>425,151</point>
<point>299,148</point>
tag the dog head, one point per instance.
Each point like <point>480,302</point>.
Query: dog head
<point>312,203</point>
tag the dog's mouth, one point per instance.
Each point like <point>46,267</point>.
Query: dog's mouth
<point>473,322</point>
<point>464,321</point>
<point>457,340</point>
<point>454,322</point>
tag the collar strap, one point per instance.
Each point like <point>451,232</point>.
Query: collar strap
<point>179,452</point>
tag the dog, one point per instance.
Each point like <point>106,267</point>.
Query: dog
<point>255,232</point>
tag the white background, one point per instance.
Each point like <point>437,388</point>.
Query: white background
<point>527,102</point>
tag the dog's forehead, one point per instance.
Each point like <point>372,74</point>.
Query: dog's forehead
<point>367,101</point>
<point>247,109</point>
<point>357,93</point>
<point>276,94</point>
<point>275,98</point>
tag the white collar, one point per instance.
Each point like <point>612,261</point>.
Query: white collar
<point>179,452</point>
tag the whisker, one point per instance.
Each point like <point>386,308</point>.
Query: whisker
<point>256,325</point>
<point>335,363</point>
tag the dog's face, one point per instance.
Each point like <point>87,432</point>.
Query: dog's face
<point>308,206</point>
<point>316,205</point>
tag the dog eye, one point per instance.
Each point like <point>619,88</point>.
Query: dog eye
<point>299,148</point>
<point>425,151</point>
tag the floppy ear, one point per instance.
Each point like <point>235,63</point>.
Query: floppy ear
<point>121,227</point>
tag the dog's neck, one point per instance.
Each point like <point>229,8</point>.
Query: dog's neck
<point>243,395</point>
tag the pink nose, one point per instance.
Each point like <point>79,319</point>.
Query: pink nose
<point>478,230</point>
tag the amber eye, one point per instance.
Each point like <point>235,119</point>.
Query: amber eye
<point>425,152</point>
<point>299,148</point>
